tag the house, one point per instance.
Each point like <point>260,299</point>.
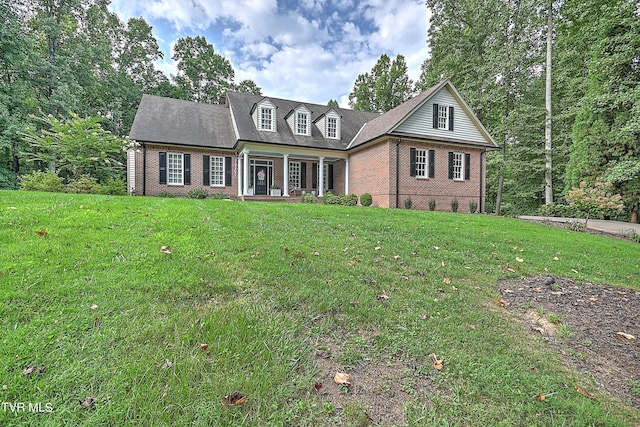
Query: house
<point>432,147</point>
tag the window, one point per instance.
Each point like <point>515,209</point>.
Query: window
<point>302,123</point>
<point>443,117</point>
<point>332,127</point>
<point>457,166</point>
<point>294,174</point>
<point>265,118</point>
<point>175,168</point>
<point>217,171</point>
<point>421,163</point>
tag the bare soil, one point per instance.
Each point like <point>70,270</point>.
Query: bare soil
<point>594,327</point>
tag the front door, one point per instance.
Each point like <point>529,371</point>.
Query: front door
<point>261,179</point>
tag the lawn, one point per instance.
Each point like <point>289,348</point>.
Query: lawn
<point>101,327</point>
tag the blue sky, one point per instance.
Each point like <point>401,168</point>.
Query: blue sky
<point>308,50</point>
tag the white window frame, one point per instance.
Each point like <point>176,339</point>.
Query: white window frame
<point>175,169</point>
<point>422,163</point>
<point>332,131</point>
<point>266,123</point>
<point>294,174</point>
<point>302,123</point>
<point>217,171</point>
<point>458,166</point>
<point>443,117</point>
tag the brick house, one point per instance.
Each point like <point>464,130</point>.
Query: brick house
<point>432,147</point>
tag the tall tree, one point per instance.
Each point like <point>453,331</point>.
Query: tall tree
<point>384,88</point>
<point>548,142</point>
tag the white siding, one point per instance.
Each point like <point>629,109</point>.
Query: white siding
<point>291,120</point>
<point>131,171</point>
<point>421,121</point>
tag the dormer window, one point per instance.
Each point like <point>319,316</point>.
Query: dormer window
<point>266,118</point>
<point>302,123</point>
<point>332,127</point>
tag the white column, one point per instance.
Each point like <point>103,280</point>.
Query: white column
<point>321,178</point>
<point>240,182</point>
<point>346,176</point>
<point>245,182</point>
<point>285,187</point>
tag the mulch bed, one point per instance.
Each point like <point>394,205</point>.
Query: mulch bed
<point>594,327</point>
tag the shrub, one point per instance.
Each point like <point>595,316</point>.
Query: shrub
<point>220,196</point>
<point>454,205</point>
<point>85,184</point>
<point>329,198</point>
<point>114,187</point>
<point>348,200</point>
<point>198,193</point>
<point>42,181</point>
<point>408,203</point>
<point>559,210</point>
<point>597,200</point>
<point>308,198</point>
<point>167,194</point>
<point>366,199</point>
<point>432,205</point>
<point>473,206</point>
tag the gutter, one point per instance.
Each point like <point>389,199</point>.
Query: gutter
<point>480,210</point>
<point>144,169</point>
<point>398,172</point>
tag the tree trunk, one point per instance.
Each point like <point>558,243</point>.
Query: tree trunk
<point>548,189</point>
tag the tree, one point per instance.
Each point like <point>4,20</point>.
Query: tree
<point>384,88</point>
<point>248,86</point>
<point>548,143</point>
<point>333,103</point>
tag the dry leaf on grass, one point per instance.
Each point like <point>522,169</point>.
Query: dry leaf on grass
<point>382,297</point>
<point>447,281</point>
<point>437,363</point>
<point>342,379</point>
<point>627,336</point>
<point>42,233</point>
<point>318,387</point>
<point>204,346</point>
<point>540,397</point>
<point>87,401</point>
<point>234,399</point>
<point>584,392</point>
<point>94,307</point>
<point>502,303</point>
<point>166,250</point>
<point>32,368</point>
<point>519,259</point>
<point>354,303</point>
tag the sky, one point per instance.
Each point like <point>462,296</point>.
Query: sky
<point>307,50</point>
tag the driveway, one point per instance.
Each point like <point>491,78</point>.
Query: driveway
<point>613,227</point>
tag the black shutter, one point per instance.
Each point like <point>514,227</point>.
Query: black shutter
<point>432,163</point>
<point>330,178</point>
<point>435,116</point>
<point>303,175</point>
<point>450,118</point>
<point>206,166</point>
<point>450,164</point>
<point>412,162</point>
<point>227,171</point>
<point>314,175</point>
<point>467,166</point>
<point>187,169</point>
<point>163,168</point>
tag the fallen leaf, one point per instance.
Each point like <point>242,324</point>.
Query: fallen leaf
<point>316,253</point>
<point>424,316</point>
<point>555,258</point>
<point>454,289</point>
<point>502,303</point>
<point>575,271</point>
<point>443,263</point>
<point>94,307</point>
<point>382,297</point>
<point>235,398</point>
<point>353,263</point>
<point>447,281</point>
<point>405,278</point>
<point>540,397</point>
<point>437,363</point>
<point>166,249</point>
<point>354,303</point>
<point>204,346</point>
<point>377,248</point>
<point>593,299</point>
<point>471,326</point>
<point>167,364</point>
<point>511,270</point>
<point>396,257</point>
<point>88,401</point>
<point>584,392</point>
<point>32,368</point>
<point>436,248</point>
<point>286,250</point>
<point>41,233</point>
<point>4,387</point>
<point>627,336</point>
<point>342,379</point>
<point>318,387</point>
<point>12,207</point>
<point>519,259</point>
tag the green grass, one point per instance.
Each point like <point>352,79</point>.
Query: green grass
<point>262,285</point>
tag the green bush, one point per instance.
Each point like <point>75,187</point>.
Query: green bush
<point>432,205</point>
<point>167,194</point>
<point>85,184</point>
<point>308,198</point>
<point>42,181</point>
<point>198,193</point>
<point>473,206</point>
<point>408,203</point>
<point>366,199</point>
<point>329,198</point>
<point>220,196</point>
<point>560,210</point>
<point>348,200</point>
<point>454,205</point>
<point>114,187</point>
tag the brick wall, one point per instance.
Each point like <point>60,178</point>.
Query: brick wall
<point>369,172</point>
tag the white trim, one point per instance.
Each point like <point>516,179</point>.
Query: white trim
<point>461,162</point>
<point>181,169</point>
<point>425,169</point>
<point>285,174</point>
<point>321,177</point>
<point>211,171</point>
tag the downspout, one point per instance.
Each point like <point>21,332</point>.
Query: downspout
<point>398,172</point>
<point>481,175</point>
<point>144,169</point>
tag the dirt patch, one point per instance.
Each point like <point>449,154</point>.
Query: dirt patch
<point>594,327</point>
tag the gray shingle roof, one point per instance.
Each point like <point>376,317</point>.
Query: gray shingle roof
<point>242,104</point>
<point>174,121</point>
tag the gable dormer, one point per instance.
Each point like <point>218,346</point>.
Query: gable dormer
<point>329,124</point>
<point>264,116</point>
<point>299,120</point>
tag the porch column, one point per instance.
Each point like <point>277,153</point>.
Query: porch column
<point>285,187</point>
<point>245,181</point>
<point>240,184</point>
<point>321,178</point>
<point>346,176</point>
